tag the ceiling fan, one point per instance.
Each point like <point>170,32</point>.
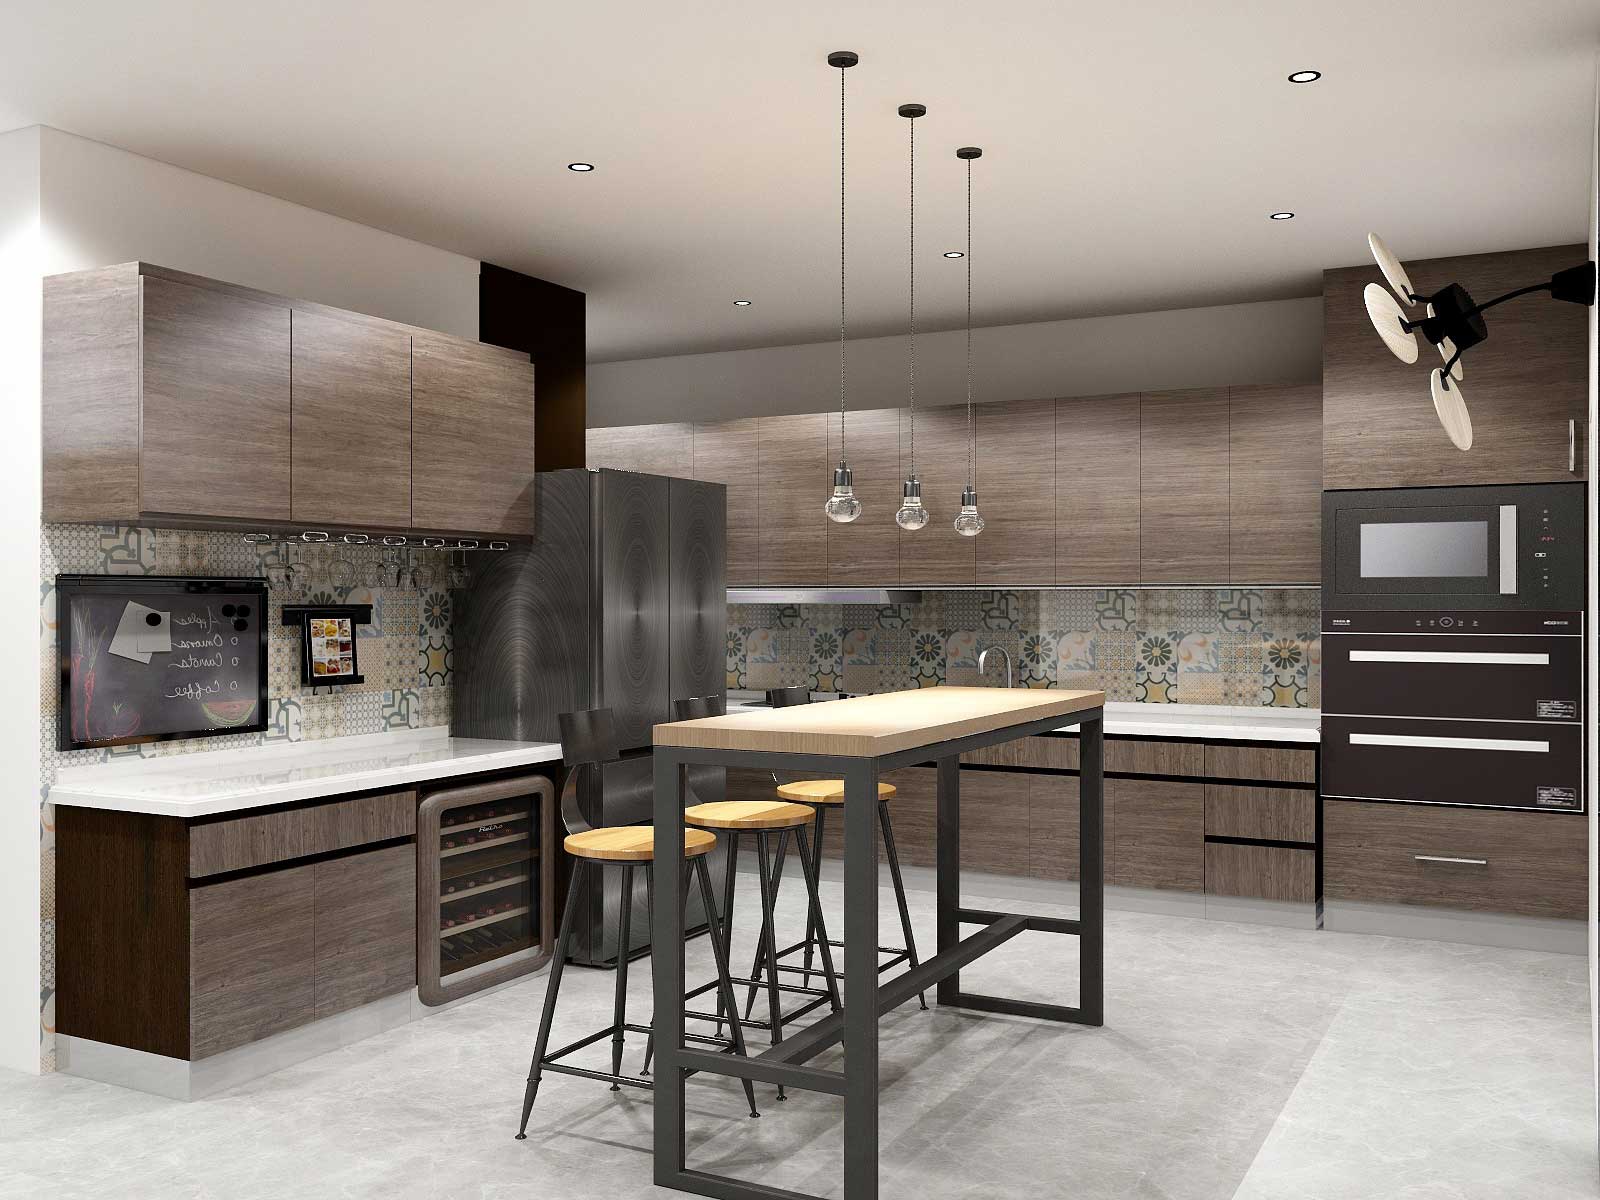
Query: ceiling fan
<point>1452,323</point>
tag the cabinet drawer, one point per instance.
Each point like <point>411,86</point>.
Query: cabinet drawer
<point>1157,833</point>
<point>1044,753</point>
<point>235,843</point>
<point>1534,864</point>
<point>1145,757</point>
<point>359,820</point>
<point>1262,872</point>
<point>1272,814</point>
<point>1272,763</point>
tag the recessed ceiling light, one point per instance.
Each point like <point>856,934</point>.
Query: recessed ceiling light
<point>580,167</point>
<point>954,254</point>
<point>1305,77</point>
<point>743,303</point>
<point>1281,216</point>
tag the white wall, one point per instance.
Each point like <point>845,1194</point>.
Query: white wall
<point>1271,342</point>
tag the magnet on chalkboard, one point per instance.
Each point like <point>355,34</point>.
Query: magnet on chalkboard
<point>241,626</point>
<point>152,618</point>
<point>227,610</point>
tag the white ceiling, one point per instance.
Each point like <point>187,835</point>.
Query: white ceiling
<point>1132,151</point>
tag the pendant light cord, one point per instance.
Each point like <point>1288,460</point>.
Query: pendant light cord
<point>842,456</point>
<point>972,425</point>
<point>913,294</point>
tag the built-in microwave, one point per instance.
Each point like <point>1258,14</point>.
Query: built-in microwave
<point>1444,548</point>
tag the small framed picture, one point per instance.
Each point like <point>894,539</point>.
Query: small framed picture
<point>328,645</point>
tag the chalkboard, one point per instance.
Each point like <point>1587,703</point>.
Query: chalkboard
<point>147,659</point>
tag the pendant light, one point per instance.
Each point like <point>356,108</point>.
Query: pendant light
<point>912,515</point>
<point>842,505</point>
<point>969,522</point>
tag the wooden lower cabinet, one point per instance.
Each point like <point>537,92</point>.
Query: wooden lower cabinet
<point>1155,831</point>
<point>1052,826</point>
<point>366,927</point>
<point>1264,813</point>
<point>1260,872</point>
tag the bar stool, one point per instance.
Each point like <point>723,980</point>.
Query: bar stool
<point>588,741</point>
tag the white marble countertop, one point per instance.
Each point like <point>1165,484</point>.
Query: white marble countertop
<point>1218,722</point>
<point>220,781</point>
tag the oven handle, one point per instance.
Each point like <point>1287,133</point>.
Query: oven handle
<point>1446,858</point>
<point>1484,658</point>
<point>1426,742</point>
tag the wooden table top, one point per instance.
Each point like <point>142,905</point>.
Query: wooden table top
<point>871,726</point>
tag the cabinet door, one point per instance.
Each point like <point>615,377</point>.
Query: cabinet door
<point>251,951</point>
<point>214,419</point>
<point>1157,837</point>
<point>866,552</point>
<point>792,531</point>
<point>351,426</point>
<point>633,602</point>
<point>697,600</point>
<point>666,449</point>
<point>936,554</point>
<point>1097,490</point>
<point>366,927</point>
<point>472,437</point>
<point>1183,487</point>
<point>1016,493</point>
<point>725,453</point>
<point>1053,826</point>
<point>1275,484</point>
<point>1523,385</point>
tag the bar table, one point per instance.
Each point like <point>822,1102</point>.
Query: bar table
<point>855,740</point>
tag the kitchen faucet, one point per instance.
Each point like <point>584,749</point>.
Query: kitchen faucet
<point>983,656</point>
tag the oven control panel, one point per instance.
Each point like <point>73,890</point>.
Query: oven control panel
<point>1448,621</point>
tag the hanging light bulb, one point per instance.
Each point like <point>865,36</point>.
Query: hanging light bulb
<point>842,506</point>
<point>969,522</point>
<point>912,515</point>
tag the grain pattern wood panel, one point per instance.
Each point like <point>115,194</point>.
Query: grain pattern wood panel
<point>90,391</point>
<point>697,589</point>
<point>1016,492</point>
<point>994,825</point>
<point>1523,384</point>
<point>1535,864</point>
<point>234,843</point>
<point>1263,872</point>
<point>1183,486</point>
<point>1272,814</point>
<point>365,927</point>
<point>725,453</point>
<point>661,449</point>
<point>866,552</point>
<point>633,603</point>
<point>122,929</point>
<point>1276,764</point>
<point>1097,489</point>
<point>252,949</point>
<point>213,361</point>
<point>1143,756</point>
<point>1275,484</point>
<point>358,821</point>
<point>472,425</point>
<point>1157,834</point>
<point>791,530</point>
<point>935,554</point>
<point>351,422</point>
<point>1053,827</point>
<point>1047,753</point>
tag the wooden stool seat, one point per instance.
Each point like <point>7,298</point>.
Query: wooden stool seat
<point>824,791</point>
<point>632,843</point>
<point>749,814</point>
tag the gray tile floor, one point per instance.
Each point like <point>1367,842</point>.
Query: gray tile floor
<point>1236,1061</point>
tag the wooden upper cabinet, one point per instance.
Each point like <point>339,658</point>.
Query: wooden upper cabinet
<point>791,528</point>
<point>1097,490</point>
<point>1523,386</point>
<point>214,429</point>
<point>351,425</point>
<point>1275,484</point>
<point>1183,487</point>
<point>472,437</point>
<point>866,552</point>
<point>666,449</point>
<point>725,453</point>
<point>936,555</point>
<point>1016,493</point>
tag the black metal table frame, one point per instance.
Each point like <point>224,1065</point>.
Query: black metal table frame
<point>857,1026</point>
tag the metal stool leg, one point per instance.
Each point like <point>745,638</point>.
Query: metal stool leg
<point>650,919</point>
<point>769,940</point>
<point>808,864</point>
<point>619,1013</point>
<point>735,1026</point>
<point>899,891</point>
<point>728,878</point>
<point>551,988</point>
<point>761,948</point>
<point>822,817</point>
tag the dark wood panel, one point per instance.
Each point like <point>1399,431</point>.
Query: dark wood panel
<point>1157,832</point>
<point>1183,486</point>
<point>547,324</point>
<point>365,927</point>
<point>1275,764</point>
<point>633,602</point>
<point>1049,753</point>
<point>358,821</point>
<point>1523,384</point>
<point>122,929</point>
<point>1535,864</point>
<point>1275,484</point>
<point>234,843</point>
<point>792,532</point>
<point>351,423</point>
<point>866,552</point>
<point>251,946</point>
<point>90,395</point>
<point>725,453</point>
<point>1053,827</point>
<point>1097,489</point>
<point>1145,757</point>
<point>697,601</point>
<point>472,422</point>
<point>936,554</point>
<point>1016,492</point>
<point>994,822</point>
<point>1263,872</point>
<point>213,361</point>
<point>664,449</point>
<point>1273,814</point>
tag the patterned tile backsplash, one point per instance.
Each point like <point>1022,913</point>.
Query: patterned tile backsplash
<point>1244,646</point>
<point>405,653</point>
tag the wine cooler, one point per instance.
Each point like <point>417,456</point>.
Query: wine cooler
<point>485,884</point>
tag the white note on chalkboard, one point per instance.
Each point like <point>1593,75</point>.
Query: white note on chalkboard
<point>136,638</point>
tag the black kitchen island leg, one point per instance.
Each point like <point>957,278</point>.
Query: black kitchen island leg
<point>861,980</point>
<point>667,967</point>
<point>1091,872</point>
<point>947,878</point>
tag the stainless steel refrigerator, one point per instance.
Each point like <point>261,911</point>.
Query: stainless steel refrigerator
<point>620,602</point>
